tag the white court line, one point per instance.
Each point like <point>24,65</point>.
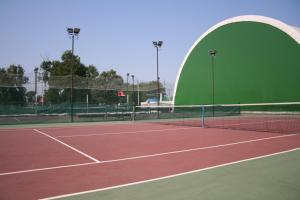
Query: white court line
<point>171,176</point>
<point>14,129</point>
<point>75,126</point>
<point>197,149</point>
<point>94,125</point>
<point>74,149</point>
<point>47,168</point>
<point>126,132</point>
<point>147,156</point>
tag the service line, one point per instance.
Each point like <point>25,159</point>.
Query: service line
<point>126,132</point>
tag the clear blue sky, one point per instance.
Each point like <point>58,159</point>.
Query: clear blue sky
<point>118,34</point>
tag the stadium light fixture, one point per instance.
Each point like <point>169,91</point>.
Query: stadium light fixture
<point>157,44</point>
<point>72,32</point>
<point>76,31</point>
<point>212,52</point>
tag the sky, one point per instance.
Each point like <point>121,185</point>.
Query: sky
<point>118,34</point>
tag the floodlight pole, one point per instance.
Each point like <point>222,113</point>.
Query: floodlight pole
<point>213,54</point>
<point>157,44</point>
<point>87,92</point>
<point>72,81</point>
<point>72,32</point>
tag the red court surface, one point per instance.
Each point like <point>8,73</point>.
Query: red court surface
<point>44,162</point>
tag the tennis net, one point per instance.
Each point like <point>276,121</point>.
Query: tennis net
<point>265,117</point>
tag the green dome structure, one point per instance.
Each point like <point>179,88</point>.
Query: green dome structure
<point>256,60</point>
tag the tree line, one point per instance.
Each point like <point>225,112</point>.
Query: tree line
<point>88,83</point>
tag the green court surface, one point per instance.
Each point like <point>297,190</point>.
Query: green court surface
<point>273,177</point>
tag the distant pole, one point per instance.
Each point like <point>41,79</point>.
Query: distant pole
<point>127,97</point>
<point>72,32</point>
<point>138,92</point>
<point>213,54</point>
<point>133,100</point>
<point>45,73</point>
<point>35,83</point>
<point>87,93</point>
<point>157,45</point>
<point>43,89</point>
<point>87,103</point>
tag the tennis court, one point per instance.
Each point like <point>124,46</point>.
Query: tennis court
<point>147,160</point>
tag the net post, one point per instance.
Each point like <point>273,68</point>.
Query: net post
<point>202,116</point>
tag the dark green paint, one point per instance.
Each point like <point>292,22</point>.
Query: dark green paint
<point>255,63</point>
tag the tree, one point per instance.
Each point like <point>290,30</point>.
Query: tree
<point>12,80</point>
<point>30,96</point>
<point>92,71</point>
<point>149,90</point>
<point>109,82</point>
<point>57,74</point>
<point>46,67</point>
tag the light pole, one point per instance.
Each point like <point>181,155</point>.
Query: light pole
<point>138,92</point>
<point>127,97</point>
<point>72,32</point>
<point>157,45</point>
<point>87,91</point>
<point>133,100</point>
<point>213,54</point>
<point>35,84</point>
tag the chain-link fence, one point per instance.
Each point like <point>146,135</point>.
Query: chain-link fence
<point>31,98</point>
